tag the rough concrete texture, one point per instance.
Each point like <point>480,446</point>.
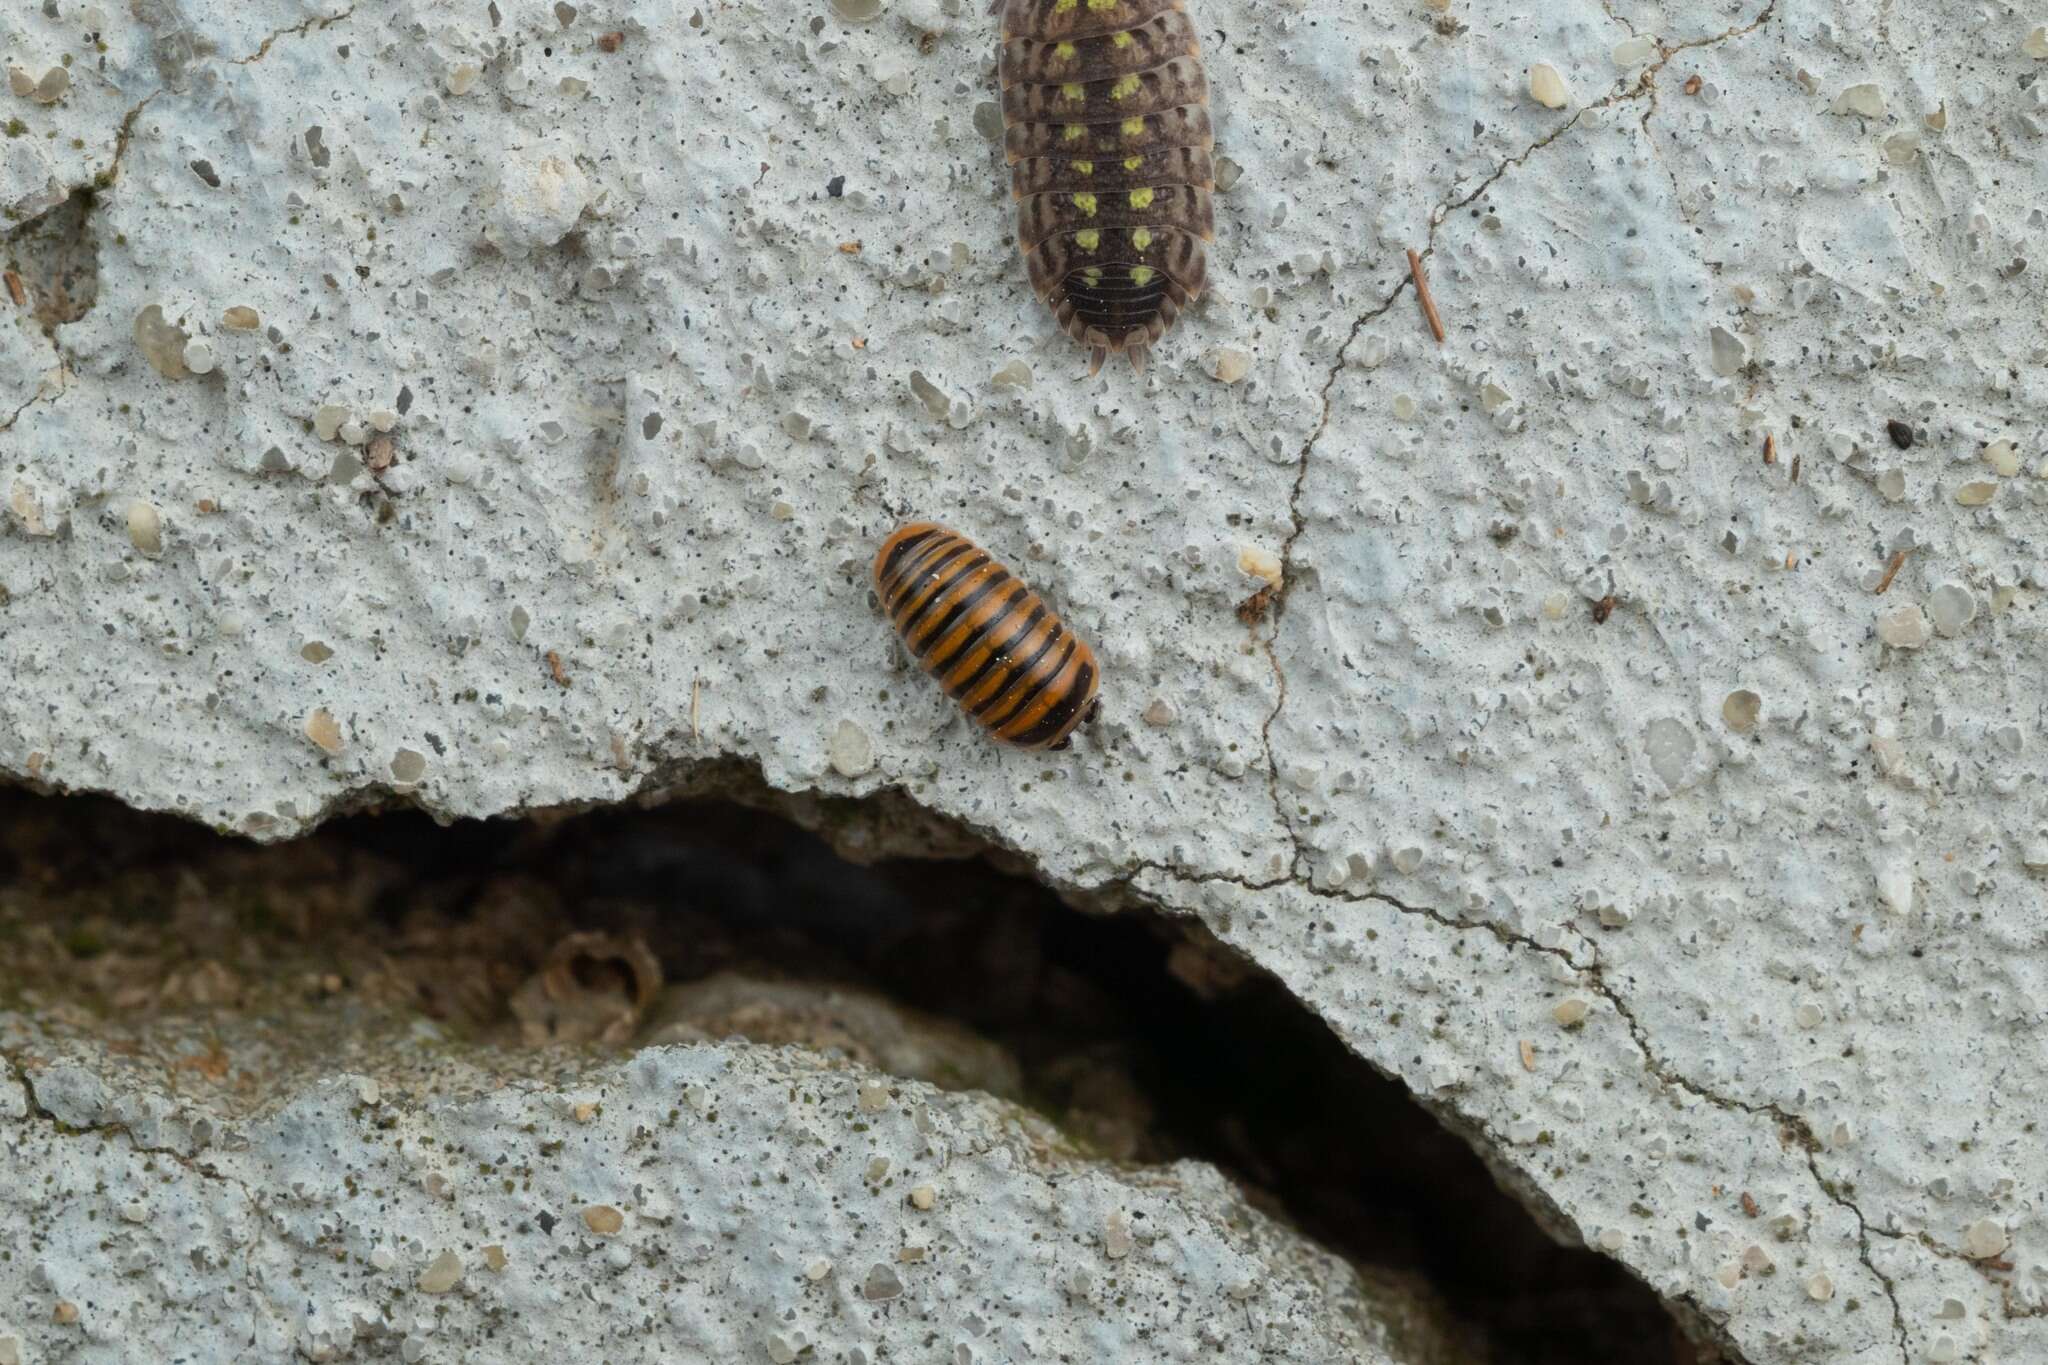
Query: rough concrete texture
<point>717,1203</point>
<point>1578,772</point>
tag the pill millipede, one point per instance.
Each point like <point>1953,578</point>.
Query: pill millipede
<point>999,651</point>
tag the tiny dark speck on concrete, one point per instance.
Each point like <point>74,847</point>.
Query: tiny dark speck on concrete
<point>546,1221</point>
<point>836,186</point>
<point>1902,434</point>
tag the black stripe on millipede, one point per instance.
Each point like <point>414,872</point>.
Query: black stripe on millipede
<point>998,654</point>
<point>966,603</point>
<point>1063,711</point>
<point>1037,688</point>
<point>914,564</point>
<point>1022,671</point>
<point>921,575</point>
<point>937,600</point>
<point>907,570</point>
<point>939,667</point>
<point>902,547</point>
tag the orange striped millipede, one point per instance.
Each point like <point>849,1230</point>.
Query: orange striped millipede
<point>996,648</point>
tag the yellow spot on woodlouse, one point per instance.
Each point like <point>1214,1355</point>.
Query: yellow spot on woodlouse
<point>1088,239</point>
<point>1062,6</point>
<point>1074,132</point>
<point>1083,167</point>
<point>1064,52</point>
<point>1134,127</point>
<point>1122,39</point>
<point>1141,199</point>
<point>1141,275</point>
<point>1086,204</point>
<point>1141,238</point>
<point>1071,93</point>
<point>1125,87</point>
<point>1092,276</point>
<point>1131,163</point>
<point>1102,5</point>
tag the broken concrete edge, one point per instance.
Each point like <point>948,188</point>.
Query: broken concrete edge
<point>887,821</point>
<point>391,1185</point>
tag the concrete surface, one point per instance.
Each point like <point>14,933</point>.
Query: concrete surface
<point>1577,773</point>
<point>716,1203</point>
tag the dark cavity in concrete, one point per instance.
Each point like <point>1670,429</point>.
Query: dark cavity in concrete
<point>1145,1039</point>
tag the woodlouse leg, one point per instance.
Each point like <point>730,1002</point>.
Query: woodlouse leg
<point>1066,743</point>
<point>1095,359</point>
<point>1137,355</point>
<point>1094,710</point>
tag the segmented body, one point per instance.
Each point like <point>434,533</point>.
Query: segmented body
<point>996,648</point>
<point>1106,126</point>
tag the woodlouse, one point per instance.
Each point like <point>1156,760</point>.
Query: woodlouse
<point>997,649</point>
<point>1106,127</point>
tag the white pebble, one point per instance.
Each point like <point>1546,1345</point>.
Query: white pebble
<point>1985,1240</point>
<point>2003,457</point>
<point>1953,607</point>
<point>1547,87</point>
<point>1740,709</point>
<point>1727,351</point>
<point>1976,493</point>
<point>2035,44</point>
<point>1229,365</point>
<point>1256,562</point>
<point>1895,887</point>
<point>1570,1013</point>
<point>327,420</point>
<point>1905,628</point>
<point>1117,1241</point>
<point>1866,100</point>
<point>850,751</point>
<point>443,1275</point>
<point>199,356</point>
<point>1635,51</point>
<point>145,528</point>
<point>1819,1287</point>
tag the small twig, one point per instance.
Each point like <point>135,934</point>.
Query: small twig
<point>1795,469</point>
<point>1770,449</point>
<point>560,674</point>
<point>1892,569</point>
<point>1429,313</point>
<point>695,683</point>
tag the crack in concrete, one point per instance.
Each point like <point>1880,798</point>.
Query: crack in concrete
<point>298,30</point>
<point>1267,642</point>
<point>112,171</point>
<point>1666,51</point>
<point>109,1128</point>
<point>1792,1128</point>
<point>1297,524</point>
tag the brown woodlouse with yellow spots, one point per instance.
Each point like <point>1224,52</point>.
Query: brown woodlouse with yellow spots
<point>1106,126</point>
<point>997,649</point>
